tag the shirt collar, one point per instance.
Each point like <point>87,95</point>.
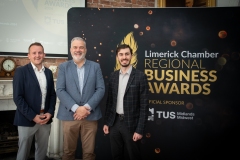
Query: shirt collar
<point>83,62</point>
<point>35,68</point>
<point>128,71</point>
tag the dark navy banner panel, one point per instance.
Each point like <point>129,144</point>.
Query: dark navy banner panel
<point>191,57</point>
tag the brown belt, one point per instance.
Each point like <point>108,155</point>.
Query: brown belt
<point>41,111</point>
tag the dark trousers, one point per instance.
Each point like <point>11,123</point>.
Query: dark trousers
<point>122,145</point>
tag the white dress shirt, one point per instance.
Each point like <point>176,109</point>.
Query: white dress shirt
<point>42,83</point>
<point>123,80</point>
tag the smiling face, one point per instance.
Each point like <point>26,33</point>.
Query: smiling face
<point>124,57</point>
<point>78,50</point>
<point>36,55</point>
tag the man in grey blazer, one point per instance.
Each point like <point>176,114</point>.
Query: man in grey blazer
<point>80,88</point>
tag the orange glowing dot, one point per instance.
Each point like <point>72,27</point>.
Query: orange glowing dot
<point>157,150</point>
<point>173,43</point>
<point>140,33</point>
<point>150,12</point>
<point>94,47</point>
<point>148,135</point>
<point>148,28</point>
<point>222,34</point>
<point>100,44</point>
<point>189,105</point>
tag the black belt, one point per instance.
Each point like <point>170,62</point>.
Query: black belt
<point>120,115</point>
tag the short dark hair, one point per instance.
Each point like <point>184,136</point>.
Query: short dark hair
<point>123,46</point>
<point>35,44</point>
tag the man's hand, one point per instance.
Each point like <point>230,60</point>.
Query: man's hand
<point>38,119</point>
<point>42,119</point>
<point>81,113</point>
<point>47,118</point>
<point>105,129</point>
<point>136,136</point>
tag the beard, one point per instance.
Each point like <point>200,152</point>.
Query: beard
<point>125,65</point>
<point>77,58</point>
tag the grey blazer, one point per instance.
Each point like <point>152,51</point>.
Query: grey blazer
<point>68,91</point>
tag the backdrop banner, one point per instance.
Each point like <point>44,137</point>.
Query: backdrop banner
<point>191,57</point>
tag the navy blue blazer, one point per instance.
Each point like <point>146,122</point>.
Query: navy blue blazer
<point>27,95</point>
<point>135,101</point>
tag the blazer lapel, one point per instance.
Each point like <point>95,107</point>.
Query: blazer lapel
<point>75,74</point>
<point>30,69</point>
<point>116,82</point>
<point>86,72</point>
<point>47,77</point>
<point>132,75</point>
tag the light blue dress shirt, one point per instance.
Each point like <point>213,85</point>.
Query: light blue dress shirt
<point>80,72</point>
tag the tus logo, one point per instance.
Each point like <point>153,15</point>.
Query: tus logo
<point>151,116</point>
<point>166,114</point>
<point>161,114</point>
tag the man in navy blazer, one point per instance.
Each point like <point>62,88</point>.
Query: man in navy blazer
<point>80,88</point>
<point>126,107</point>
<point>33,92</point>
